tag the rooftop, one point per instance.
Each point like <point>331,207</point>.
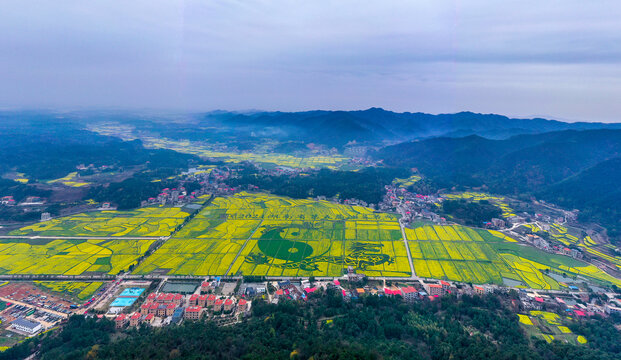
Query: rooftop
<point>25,323</point>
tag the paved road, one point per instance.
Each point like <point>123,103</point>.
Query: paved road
<point>107,295</point>
<point>407,249</point>
<point>243,246</point>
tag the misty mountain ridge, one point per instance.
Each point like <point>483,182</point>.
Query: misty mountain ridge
<point>376,125</point>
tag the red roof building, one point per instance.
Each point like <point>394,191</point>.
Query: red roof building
<point>178,299</point>
<point>194,300</point>
<point>211,300</point>
<point>434,289</point>
<point>170,309</point>
<point>409,293</point>
<point>144,308</point>
<point>228,305</point>
<point>120,321</point>
<point>134,320</point>
<point>153,309</point>
<point>242,305</point>
<point>193,313</point>
<point>218,305</point>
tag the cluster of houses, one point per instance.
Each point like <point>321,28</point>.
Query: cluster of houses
<point>171,308</point>
<point>577,303</point>
<point>544,245</point>
<point>28,201</point>
<point>410,205</point>
<point>410,291</point>
<point>174,196</point>
<point>574,301</point>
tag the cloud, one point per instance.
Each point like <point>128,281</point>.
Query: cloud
<point>513,57</point>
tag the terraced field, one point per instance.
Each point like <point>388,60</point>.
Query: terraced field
<point>499,201</point>
<point>571,236</point>
<point>549,326</point>
<point>459,253</point>
<point>70,179</point>
<point>407,182</point>
<point>259,234</point>
<point>148,222</point>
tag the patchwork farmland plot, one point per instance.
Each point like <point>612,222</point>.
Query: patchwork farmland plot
<point>459,253</point>
<point>456,253</point>
<point>78,289</point>
<point>571,236</point>
<point>264,158</point>
<point>259,234</point>
<point>407,182</point>
<point>499,201</point>
<point>148,222</point>
<point>69,257</point>
<point>549,326</point>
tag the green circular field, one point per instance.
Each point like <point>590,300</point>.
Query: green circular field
<point>273,245</point>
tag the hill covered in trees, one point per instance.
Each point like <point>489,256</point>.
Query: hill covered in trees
<point>366,184</point>
<point>43,146</point>
<point>326,327</point>
<point>576,169</point>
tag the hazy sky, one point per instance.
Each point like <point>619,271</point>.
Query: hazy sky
<point>560,59</point>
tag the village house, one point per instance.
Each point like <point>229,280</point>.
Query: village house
<point>193,313</point>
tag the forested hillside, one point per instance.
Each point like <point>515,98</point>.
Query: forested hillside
<point>577,169</point>
<point>366,184</point>
<point>326,327</point>
<point>49,147</point>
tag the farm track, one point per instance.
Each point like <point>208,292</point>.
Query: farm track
<point>407,248</point>
<point>244,246</point>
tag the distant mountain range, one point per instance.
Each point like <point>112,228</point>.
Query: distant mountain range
<point>376,125</point>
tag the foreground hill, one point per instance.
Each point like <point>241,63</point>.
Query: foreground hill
<point>327,327</point>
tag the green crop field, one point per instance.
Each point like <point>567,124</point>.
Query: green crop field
<point>460,253</point>
<point>259,234</point>
<point>69,257</point>
<point>149,221</point>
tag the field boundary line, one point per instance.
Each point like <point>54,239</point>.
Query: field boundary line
<point>243,247</point>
